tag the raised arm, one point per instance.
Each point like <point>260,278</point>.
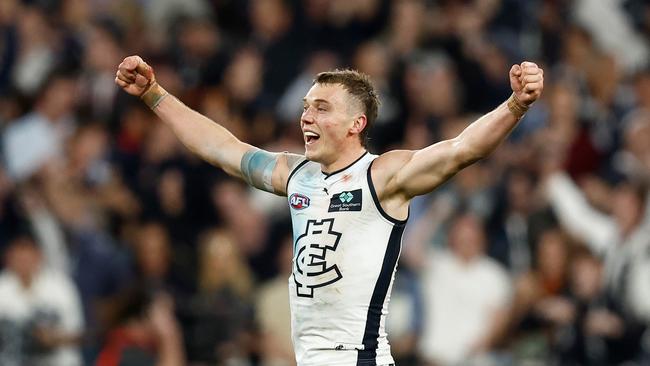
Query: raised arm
<point>402,175</point>
<point>209,140</point>
<point>576,215</point>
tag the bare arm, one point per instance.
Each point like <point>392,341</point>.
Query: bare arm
<point>204,137</point>
<point>207,139</point>
<point>410,173</point>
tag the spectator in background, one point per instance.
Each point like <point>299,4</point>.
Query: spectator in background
<point>513,224</point>
<point>406,27</point>
<point>35,49</point>
<point>66,204</point>
<point>156,265</point>
<point>272,34</point>
<point>634,159</point>
<point>404,322</point>
<point>273,315</point>
<point>565,133</point>
<point>540,306</point>
<point>622,240</point>
<point>467,298</point>
<point>433,94</point>
<point>8,216</point>
<point>642,89</point>
<point>41,321</point>
<point>243,79</point>
<point>607,22</point>
<point>240,216</point>
<point>201,57</point>
<point>593,332</point>
<point>146,335</point>
<point>159,17</point>
<point>102,48</point>
<point>222,310</point>
<point>374,59</point>
<point>32,140</point>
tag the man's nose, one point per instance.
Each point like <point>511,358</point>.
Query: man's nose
<point>307,117</point>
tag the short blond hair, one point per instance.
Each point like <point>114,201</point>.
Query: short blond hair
<point>360,87</point>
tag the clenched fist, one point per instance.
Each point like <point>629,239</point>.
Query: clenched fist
<point>135,76</point>
<point>527,82</point>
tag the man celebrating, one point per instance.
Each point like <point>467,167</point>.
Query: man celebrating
<point>348,207</point>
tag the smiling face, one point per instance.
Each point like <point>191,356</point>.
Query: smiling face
<point>331,122</point>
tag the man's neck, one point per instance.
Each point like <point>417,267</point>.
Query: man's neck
<point>343,160</point>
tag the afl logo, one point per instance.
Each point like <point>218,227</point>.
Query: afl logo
<point>299,201</point>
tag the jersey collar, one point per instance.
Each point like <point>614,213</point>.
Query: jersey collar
<point>327,175</point>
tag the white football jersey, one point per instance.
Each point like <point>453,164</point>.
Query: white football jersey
<point>345,255</point>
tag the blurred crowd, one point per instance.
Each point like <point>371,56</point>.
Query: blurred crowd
<point>121,248</point>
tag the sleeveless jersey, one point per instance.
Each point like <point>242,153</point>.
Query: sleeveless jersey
<point>345,254</point>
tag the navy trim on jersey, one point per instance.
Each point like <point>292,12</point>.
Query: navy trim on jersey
<point>375,198</point>
<point>294,172</point>
<point>327,175</point>
<point>368,356</point>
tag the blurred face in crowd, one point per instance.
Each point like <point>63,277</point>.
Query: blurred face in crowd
<point>637,135</point>
<point>564,103</point>
<point>269,18</point>
<point>519,191</point>
<point>228,197</point>
<point>373,59</point>
<point>90,144</point>
<point>221,264</point>
<point>328,122</point>
<point>153,251</point>
<point>642,87</point>
<point>23,259</point>
<point>467,239</point>
<point>60,97</point>
<point>431,86</point>
<point>628,207</point>
<point>171,191</point>
<point>161,144</point>
<point>199,38</point>
<point>103,51</point>
<point>221,255</point>
<point>586,277</point>
<point>243,77</point>
<point>552,254</point>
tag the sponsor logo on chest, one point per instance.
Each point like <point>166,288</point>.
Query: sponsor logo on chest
<point>346,201</point>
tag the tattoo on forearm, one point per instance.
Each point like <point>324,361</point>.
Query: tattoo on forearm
<point>257,169</point>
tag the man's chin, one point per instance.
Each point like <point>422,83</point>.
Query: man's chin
<point>311,155</point>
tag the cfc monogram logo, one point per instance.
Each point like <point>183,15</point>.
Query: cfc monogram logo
<point>311,269</point>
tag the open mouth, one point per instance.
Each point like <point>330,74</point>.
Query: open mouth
<point>311,137</point>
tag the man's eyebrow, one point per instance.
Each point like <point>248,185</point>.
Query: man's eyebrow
<point>304,100</point>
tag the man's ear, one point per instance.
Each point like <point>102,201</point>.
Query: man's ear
<point>359,124</point>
